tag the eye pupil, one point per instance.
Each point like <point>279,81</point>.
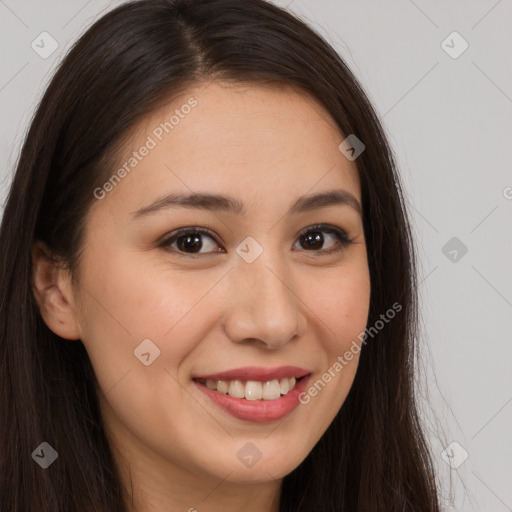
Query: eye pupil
<point>315,240</point>
<point>190,242</point>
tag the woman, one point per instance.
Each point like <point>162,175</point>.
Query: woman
<point>208,278</point>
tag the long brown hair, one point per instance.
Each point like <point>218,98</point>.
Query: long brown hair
<point>374,456</point>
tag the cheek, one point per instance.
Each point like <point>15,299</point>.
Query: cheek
<point>342,313</point>
<point>342,302</point>
<point>127,303</point>
<point>138,299</point>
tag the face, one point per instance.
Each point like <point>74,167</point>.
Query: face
<point>253,290</point>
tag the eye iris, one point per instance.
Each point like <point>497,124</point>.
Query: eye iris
<point>189,242</point>
<point>314,239</point>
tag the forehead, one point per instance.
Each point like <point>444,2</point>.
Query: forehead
<point>263,144</point>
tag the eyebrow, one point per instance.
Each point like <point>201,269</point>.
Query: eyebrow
<point>216,202</point>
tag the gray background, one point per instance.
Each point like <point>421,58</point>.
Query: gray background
<point>449,121</point>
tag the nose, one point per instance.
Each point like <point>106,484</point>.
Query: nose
<point>266,308</point>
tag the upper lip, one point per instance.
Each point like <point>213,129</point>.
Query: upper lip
<point>257,373</point>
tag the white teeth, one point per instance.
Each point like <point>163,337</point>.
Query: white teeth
<point>222,386</point>
<point>236,389</point>
<point>252,389</point>
<point>271,390</point>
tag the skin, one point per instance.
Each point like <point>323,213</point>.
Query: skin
<point>213,311</point>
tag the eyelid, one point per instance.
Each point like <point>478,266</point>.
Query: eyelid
<point>322,227</point>
<point>189,229</point>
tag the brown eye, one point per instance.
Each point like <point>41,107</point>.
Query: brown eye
<point>196,241</point>
<point>190,241</point>
<point>313,239</point>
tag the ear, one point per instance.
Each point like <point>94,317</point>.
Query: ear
<point>51,285</point>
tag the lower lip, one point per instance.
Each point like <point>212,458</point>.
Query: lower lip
<point>258,411</point>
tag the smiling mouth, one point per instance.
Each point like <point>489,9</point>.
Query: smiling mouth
<point>252,389</point>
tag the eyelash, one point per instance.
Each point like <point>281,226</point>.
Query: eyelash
<point>341,236</point>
